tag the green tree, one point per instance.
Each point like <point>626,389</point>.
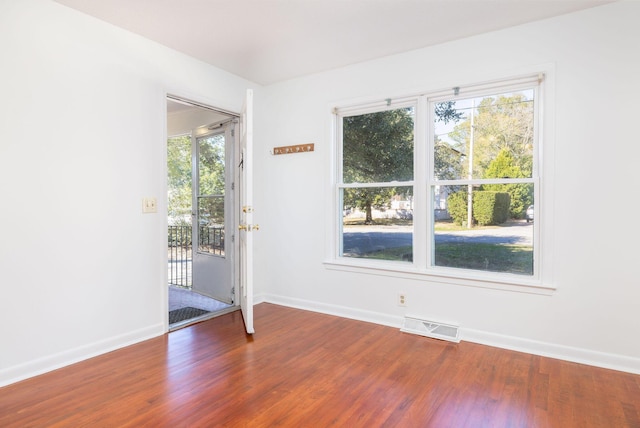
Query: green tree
<point>505,122</point>
<point>211,176</point>
<point>500,122</point>
<point>211,165</point>
<point>179,177</point>
<point>447,161</point>
<point>504,166</point>
<point>377,148</point>
<point>457,206</point>
<point>446,112</point>
<point>211,179</point>
<point>502,143</point>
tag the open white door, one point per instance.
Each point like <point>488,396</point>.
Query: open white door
<point>246,226</point>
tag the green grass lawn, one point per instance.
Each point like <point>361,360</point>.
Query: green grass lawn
<point>516,259</point>
<point>489,257</point>
<point>440,226</point>
<point>378,222</point>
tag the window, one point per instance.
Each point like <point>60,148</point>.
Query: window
<point>377,183</point>
<point>443,183</point>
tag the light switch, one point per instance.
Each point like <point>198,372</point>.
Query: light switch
<point>149,205</point>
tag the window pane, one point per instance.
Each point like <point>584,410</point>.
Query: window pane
<point>378,223</point>
<point>179,180</point>
<point>500,238</point>
<point>210,199</point>
<point>378,147</point>
<point>490,135</point>
<point>211,165</point>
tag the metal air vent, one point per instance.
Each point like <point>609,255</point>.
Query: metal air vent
<point>430,329</point>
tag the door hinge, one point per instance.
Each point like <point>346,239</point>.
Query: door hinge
<point>233,132</point>
<point>233,238</point>
<point>233,186</point>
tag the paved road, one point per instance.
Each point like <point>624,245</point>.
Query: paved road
<point>364,239</point>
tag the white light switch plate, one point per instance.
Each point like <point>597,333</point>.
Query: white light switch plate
<point>149,205</point>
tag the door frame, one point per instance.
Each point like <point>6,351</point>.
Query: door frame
<point>199,102</point>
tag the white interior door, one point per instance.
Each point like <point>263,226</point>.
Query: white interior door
<point>213,211</point>
<point>246,226</point>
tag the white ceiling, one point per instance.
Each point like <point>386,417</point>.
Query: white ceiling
<point>268,41</point>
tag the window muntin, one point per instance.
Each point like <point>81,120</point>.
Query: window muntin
<point>506,118</point>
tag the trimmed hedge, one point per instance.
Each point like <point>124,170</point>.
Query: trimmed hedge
<point>457,206</point>
<point>488,207</point>
<point>491,207</point>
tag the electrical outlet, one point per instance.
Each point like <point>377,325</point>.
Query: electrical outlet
<point>402,299</point>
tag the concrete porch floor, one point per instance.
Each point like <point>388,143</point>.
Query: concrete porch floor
<point>182,298</point>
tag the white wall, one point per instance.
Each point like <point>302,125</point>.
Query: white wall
<point>593,315</point>
<point>82,119</point>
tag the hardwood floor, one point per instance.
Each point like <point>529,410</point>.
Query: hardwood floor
<point>303,369</point>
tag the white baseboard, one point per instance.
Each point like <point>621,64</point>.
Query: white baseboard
<point>341,311</point>
<point>52,362</point>
<point>551,350</point>
<point>259,298</point>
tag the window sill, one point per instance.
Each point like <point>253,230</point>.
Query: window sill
<point>506,282</point>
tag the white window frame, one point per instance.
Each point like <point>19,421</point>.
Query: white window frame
<point>422,268</point>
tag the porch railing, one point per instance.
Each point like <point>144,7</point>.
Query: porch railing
<point>180,256</point>
<point>180,251</point>
<point>211,240</point>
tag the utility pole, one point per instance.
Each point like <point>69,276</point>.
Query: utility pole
<point>470,172</point>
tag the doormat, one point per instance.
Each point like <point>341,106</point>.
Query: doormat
<point>185,314</point>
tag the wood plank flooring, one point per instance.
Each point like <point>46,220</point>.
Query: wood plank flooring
<point>303,369</point>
